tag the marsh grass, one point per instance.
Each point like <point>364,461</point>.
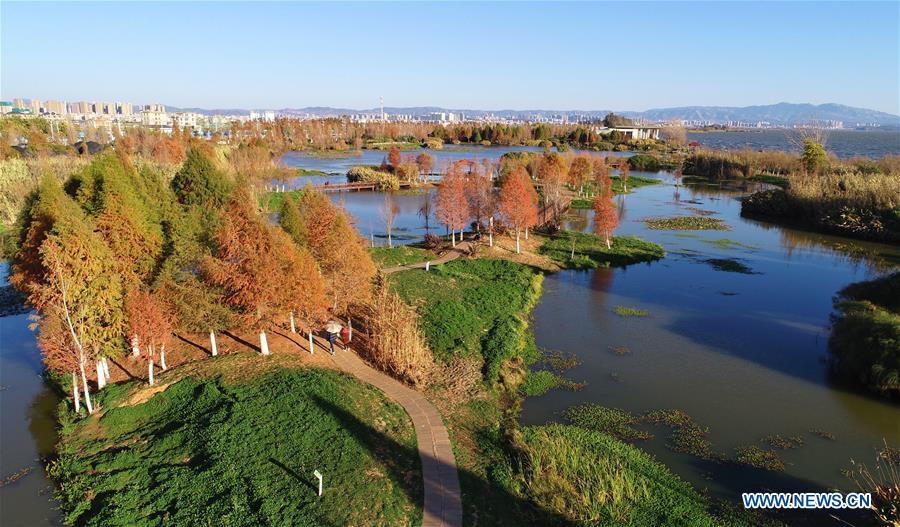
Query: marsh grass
<point>687,436</point>
<point>725,243</point>
<point>613,421</point>
<point>596,480</point>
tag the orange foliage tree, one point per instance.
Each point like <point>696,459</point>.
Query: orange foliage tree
<point>624,172</point>
<point>519,202</point>
<point>259,269</point>
<point>580,171</point>
<point>451,202</point>
<point>605,218</point>
<point>325,230</point>
<point>149,322</point>
<point>425,163</point>
<point>601,175</point>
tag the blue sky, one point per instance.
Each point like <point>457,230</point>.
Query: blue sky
<point>621,56</point>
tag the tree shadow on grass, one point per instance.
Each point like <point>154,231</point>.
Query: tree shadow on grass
<point>124,370</point>
<point>513,508</point>
<point>239,340</point>
<point>192,343</point>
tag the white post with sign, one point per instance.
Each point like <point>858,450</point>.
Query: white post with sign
<point>319,476</point>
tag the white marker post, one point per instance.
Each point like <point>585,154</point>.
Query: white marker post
<point>427,265</point>
<point>319,476</point>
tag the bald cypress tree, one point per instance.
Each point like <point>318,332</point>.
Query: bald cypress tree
<point>199,182</point>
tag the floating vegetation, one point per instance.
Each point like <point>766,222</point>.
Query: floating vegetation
<point>685,235</point>
<point>687,436</point>
<point>755,456</point>
<point>702,212</point>
<point>623,311</point>
<point>619,350</point>
<point>612,421</point>
<point>727,293</point>
<point>725,243</point>
<point>16,476</point>
<point>822,433</point>
<point>540,382</point>
<point>784,443</point>
<point>730,265</point>
<point>687,223</point>
<point>558,361</point>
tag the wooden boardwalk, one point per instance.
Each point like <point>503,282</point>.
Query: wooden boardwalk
<point>442,505</point>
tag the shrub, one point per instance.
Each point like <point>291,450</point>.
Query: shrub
<point>644,162</point>
<point>383,180</point>
<point>865,334</point>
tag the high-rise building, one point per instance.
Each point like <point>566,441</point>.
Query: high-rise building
<point>124,108</point>
<point>55,107</point>
<point>19,102</point>
<point>35,106</point>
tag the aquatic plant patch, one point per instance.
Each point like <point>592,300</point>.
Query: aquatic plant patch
<point>687,436</point>
<point>725,243</point>
<point>613,421</point>
<point>621,351</point>
<point>755,456</point>
<point>539,382</point>
<point>623,311</point>
<point>687,223</point>
<point>783,443</point>
<point>730,265</point>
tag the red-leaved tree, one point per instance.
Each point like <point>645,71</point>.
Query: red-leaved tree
<point>519,202</point>
<point>605,218</point>
<point>149,322</point>
<point>451,203</point>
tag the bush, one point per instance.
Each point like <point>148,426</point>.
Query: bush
<point>645,163</point>
<point>865,334</point>
<point>383,180</point>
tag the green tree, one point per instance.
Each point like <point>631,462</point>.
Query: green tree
<point>814,158</point>
<point>199,182</point>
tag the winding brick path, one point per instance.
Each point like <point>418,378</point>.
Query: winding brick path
<point>443,503</point>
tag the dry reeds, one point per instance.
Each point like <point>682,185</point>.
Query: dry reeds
<point>393,342</point>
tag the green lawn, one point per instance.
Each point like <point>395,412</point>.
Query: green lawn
<point>209,451</point>
<point>402,255</point>
<point>591,251</point>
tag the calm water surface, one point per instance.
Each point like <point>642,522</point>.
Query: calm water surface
<point>843,143</point>
<point>27,408</point>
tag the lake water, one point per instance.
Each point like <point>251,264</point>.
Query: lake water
<point>842,143</point>
<point>27,409</point>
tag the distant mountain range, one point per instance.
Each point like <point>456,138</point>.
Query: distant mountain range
<point>782,114</point>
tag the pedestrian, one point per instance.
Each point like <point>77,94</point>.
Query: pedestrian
<point>333,329</point>
<point>345,337</point>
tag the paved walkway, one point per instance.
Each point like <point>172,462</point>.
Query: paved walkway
<point>443,503</point>
<point>460,249</point>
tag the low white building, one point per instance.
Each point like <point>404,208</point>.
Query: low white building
<point>631,133</point>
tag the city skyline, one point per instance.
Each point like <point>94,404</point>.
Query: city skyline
<point>501,56</point>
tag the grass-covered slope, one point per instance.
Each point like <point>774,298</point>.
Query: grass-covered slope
<point>402,255</point>
<point>473,307</point>
<point>212,451</point>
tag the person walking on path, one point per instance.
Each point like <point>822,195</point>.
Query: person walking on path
<point>345,337</point>
<point>333,329</point>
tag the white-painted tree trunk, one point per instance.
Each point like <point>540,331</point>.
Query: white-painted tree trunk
<point>162,357</point>
<point>491,232</point>
<point>349,330</point>
<point>293,326</point>
<point>212,343</point>
<point>608,242</point>
<point>84,385</point>
<point>453,238</point>
<point>106,369</point>
<point>76,398</point>
<point>310,342</point>
<point>526,233</point>
<point>518,248</point>
<point>263,343</point>
<point>101,376</point>
<point>135,346</point>
<point>150,371</point>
